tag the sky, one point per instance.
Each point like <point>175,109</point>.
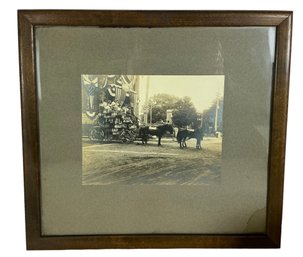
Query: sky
<point>202,89</point>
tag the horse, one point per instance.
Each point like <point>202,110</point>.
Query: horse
<point>184,134</point>
<point>159,131</point>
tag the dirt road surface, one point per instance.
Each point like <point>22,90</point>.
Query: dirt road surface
<point>129,164</point>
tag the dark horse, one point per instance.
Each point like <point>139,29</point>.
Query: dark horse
<point>185,134</point>
<point>158,131</point>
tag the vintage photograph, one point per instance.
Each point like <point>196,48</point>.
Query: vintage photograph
<point>152,129</point>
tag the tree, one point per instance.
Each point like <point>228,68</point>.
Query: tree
<point>184,113</point>
<point>209,117</point>
<point>160,103</point>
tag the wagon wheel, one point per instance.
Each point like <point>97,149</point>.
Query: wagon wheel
<point>96,134</point>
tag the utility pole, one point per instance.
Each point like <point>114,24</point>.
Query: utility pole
<point>147,99</point>
<point>151,114</point>
<point>216,117</point>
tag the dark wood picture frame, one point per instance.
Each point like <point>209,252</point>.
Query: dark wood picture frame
<point>29,19</point>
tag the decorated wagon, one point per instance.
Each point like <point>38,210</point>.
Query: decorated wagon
<point>114,123</point>
<point>109,108</point>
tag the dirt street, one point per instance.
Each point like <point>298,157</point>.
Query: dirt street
<point>128,164</point>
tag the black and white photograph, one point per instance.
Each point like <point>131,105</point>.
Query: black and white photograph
<point>152,129</point>
<point>135,127</point>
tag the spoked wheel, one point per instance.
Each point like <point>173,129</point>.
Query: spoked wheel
<point>96,134</point>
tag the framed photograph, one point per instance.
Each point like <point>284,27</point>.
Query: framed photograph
<point>154,129</point>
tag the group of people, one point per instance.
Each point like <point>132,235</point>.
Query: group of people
<point>113,117</point>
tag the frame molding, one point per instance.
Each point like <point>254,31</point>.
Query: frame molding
<point>29,19</point>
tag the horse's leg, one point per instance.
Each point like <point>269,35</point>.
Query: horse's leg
<point>145,139</point>
<point>184,143</point>
<point>198,145</point>
<point>159,140</point>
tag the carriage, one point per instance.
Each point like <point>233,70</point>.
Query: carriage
<point>114,124</point>
<point>119,124</point>
<point>124,128</point>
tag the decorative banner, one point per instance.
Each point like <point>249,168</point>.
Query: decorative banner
<point>90,79</point>
<point>102,81</point>
<point>118,88</point>
<point>90,83</point>
<point>133,98</point>
<point>110,92</point>
<point>120,95</point>
<point>112,79</point>
<point>92,89</point>
<point>126,89</point>
<point>127,79</point>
